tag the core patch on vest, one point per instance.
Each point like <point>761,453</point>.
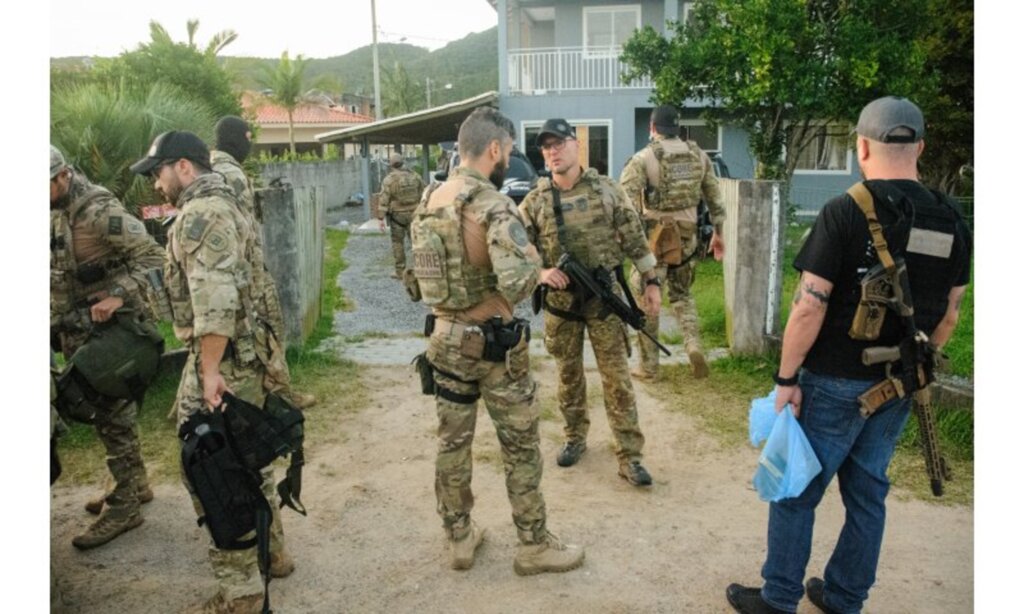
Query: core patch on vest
<point>930,243</point>
<point>114,225</point>
<point>217,241</point>
<point>427,264</point>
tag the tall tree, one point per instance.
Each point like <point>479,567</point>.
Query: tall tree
<point>103,129</point>
<point>285,80</point>
<point>400,93</point>
<point>182,65</point>
<point>949,115</point>
<point>782,68</point>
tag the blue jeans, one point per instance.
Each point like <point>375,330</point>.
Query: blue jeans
<point>858,451</point>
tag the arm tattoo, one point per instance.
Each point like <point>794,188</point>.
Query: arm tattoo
<point>797,295</point>
<point>821,296</point>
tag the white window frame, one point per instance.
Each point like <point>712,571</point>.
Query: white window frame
<point>687,7</point>
<point>611,8</point>
<point>836,173</point>
<point>701,122</point>
<point>533,123</point>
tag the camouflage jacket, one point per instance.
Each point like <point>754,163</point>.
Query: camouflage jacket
<point>95,245</point>
<point>225,164</point>
<point>641,177</point>
<point>208,273</point>
<point>400,192</point>
<point>601,226</point>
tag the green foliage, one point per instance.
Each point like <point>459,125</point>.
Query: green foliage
<point>960,347</point>
<point>265,157</point>
<point>285,80</point>
<point>399,93</point>
<point>103,129</point>
<point>777,66</point>
<point>950,112</point>
<point>182,65</point>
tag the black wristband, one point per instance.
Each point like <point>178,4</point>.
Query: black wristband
<point>786,381</point>
<point>654,281</point>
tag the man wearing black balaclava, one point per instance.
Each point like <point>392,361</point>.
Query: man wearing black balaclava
<point>234,141</point>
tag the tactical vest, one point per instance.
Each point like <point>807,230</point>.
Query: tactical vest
<point>588,211</point>
<point>70,281</point>
<point>407,188</point>
<point>928,251</point>
<point>446,278</point>
<point>680,174</point>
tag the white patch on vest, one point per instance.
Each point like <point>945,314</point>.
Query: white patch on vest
<point>930,243</point>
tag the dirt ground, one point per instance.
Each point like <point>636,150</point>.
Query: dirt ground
<point>373,542</point>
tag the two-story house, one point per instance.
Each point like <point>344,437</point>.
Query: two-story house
<point>560,58</point>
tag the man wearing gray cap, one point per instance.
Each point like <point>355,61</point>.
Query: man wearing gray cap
<point>99,256</point>
<point>852,408</point>
<point>399,194</point>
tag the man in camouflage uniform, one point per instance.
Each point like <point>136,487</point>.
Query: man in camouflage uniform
<point>473,263</point>
<point>399,194</point>
<point>600,229</point>
<point>99,256</point>
<point>234,140</point>
<point>209,282</point>
<point>666,181</point>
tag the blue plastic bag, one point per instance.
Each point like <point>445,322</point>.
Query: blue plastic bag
<point>762,418</point>
<point>787,463</point>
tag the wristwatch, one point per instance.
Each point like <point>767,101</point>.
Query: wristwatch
<point>654,281</point>
<point>118,291</point>
<point>785,381</point>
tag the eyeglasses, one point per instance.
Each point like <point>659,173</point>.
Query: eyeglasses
<point>555,144</point>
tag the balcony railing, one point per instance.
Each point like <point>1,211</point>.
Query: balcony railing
<point>536,72</point>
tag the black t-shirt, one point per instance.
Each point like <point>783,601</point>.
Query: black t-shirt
<point>840,250</point>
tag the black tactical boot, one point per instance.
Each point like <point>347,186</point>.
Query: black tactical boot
<point>635,474</point>
<point>749,601</point>
<point>816,593</point>
<point>571,453</point>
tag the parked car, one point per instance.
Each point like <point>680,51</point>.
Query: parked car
<point>519,179</point>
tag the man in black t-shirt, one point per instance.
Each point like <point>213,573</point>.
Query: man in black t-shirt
<point>821,372</point>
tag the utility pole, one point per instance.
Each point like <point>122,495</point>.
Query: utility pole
<point>428,92</point>
<point>379,111</point>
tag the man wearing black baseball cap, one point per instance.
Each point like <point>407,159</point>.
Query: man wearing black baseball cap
<point>209,283</point>
<point>853,412</point>
<point>583,213</point>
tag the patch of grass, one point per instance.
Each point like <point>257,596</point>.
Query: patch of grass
<point>170,341</point>
<point>960,347</point>
<point>956,444</point>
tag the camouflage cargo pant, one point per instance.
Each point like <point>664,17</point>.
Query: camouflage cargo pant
<point>676,282</point>
<point>399,222</point>
<point>117,428</point>
<point>236,571</point>
<point>564,340</point>
<point>508,393</point>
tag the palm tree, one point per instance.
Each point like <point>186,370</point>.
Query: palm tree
<point>285,82</point>
<point>102,130</point>
<point>158,35</point>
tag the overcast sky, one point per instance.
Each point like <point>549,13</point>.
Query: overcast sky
<point>314,28</point>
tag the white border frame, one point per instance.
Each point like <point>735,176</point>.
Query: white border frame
<point>533,123</point>
<point>611,8</point>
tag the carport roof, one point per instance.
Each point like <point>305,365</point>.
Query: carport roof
<point>421,127</point>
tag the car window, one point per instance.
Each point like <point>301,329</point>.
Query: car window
<point>520,169</point>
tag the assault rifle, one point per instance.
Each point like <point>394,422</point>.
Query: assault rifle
<point>917,357</point>
<point>599,283</point>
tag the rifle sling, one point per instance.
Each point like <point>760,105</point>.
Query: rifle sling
<point>866,203</point>
<point>577,299</point>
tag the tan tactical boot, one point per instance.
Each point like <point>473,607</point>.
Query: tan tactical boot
<point>250,604</point>
<point>642,374</point>
<point>464,550</point>
<point>95,506</point>
<point>698,364</point>
<point>301,400</point>
<point>281,564</point>
<point>111,523</point>
<point>549,555</point>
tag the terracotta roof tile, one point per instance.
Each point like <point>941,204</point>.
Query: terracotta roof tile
<point>269,113</point>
